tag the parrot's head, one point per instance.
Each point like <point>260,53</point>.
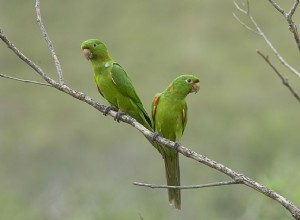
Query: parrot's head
<point>185,84</point>
<point>94,49</point>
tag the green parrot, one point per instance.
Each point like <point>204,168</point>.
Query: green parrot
<point>169,118</point>
<point>114,84</point>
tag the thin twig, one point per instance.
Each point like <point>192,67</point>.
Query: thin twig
<point>244,24</point>
<point>293,9</point>
<point>262,34</point>
<point>155,186</point>
<point>240,21</point>
<point>50,45</point>
<point>278,8</point>
<point>24,80</point>
<point>35,67</point>
<point>289,18</point>
<point>283,79</point>
<point>280,58</point>
<point>239,8</point>
<point>288,15</point>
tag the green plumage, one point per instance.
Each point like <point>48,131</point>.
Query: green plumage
<point>113,82</point>
<point>169,109</point>
<point>169,115</point>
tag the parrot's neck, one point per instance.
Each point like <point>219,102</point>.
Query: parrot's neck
<point>175,93</point>
<point>103,65</point>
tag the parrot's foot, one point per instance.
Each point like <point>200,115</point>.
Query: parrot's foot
<point>176,145</point>
<point>119,115</point>
<point>108,108</point>
<point>155,136</point>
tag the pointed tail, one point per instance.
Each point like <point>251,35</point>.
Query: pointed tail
<point>173,178</point>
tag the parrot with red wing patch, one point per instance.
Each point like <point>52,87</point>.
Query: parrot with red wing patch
<point>169,118</point>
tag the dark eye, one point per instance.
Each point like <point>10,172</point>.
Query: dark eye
<point>189,81</point>
<point>95,45</point>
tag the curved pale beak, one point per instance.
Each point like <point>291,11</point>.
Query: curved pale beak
<point>195,87</point>
<point>87,54</point>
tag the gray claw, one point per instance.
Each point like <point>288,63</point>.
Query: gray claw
<point>176,145</point>
<point>155,136</point>
<point>118,116</point>
<point>106,110</point>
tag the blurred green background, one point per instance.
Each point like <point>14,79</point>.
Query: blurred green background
<point>60,159</point>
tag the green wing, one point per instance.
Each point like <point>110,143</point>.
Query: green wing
<point>124,84</point>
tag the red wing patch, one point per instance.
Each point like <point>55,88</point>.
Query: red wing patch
<point>183,116</point>
<point>155,102</point>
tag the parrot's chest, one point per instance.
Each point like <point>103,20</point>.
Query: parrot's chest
<point>107,88</point>
<point>169,119</point>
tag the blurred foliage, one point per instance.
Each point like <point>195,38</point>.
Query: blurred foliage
<point>61,159</point>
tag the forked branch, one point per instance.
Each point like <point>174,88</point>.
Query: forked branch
<point>256,29</point>
<point>289,18</point>
<point>24,80</point>
<point>49,42</point>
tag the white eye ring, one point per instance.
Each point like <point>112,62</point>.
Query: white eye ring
<point>189,81</point>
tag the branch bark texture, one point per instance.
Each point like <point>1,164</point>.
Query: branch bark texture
<point>289,18</point>
<point>258,30</point>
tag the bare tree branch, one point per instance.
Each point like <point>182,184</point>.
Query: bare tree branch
<point>244,24</point>
<point>24,80</point>
<point>235,176</point>
<point>293,28</point>
<point>268,42</point>
<point>50,45</point>
<point>240,9</point>
<point>289,18</point>
<point>293,9</point>
<point>284,80</point>
<point>278,8</point>
<point>155,186</point>
<point>24,58</point>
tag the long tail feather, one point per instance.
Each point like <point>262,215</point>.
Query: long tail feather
<point>173,178</point>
